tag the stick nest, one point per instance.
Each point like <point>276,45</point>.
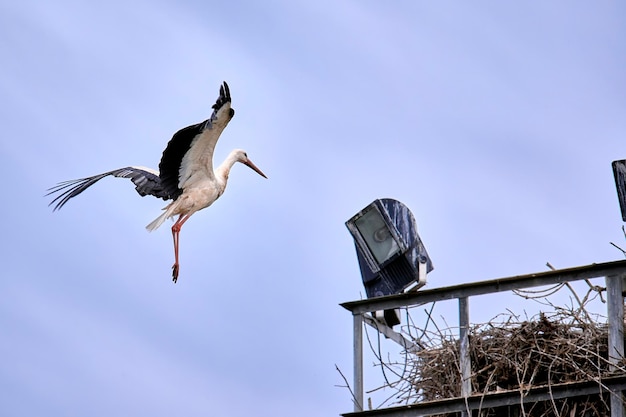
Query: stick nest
<point>514,355</point>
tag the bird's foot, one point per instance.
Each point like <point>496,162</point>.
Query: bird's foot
<point>175,269</point>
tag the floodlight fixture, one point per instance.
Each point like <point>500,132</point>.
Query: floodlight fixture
<point>376,235</point>
<point>391,255</point>
<point>619,171</point>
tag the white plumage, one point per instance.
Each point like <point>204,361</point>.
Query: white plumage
<point>186,175</point>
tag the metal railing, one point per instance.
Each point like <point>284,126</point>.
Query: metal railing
<point>613,272</point>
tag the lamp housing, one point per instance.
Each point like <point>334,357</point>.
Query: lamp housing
<point>391,255</point>
<point>619,171</point>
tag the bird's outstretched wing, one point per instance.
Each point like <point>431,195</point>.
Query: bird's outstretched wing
<point>190,151</point>
<point>146,180</point>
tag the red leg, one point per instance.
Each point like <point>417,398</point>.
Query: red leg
<point>175,232</point>
<point>175,235</point>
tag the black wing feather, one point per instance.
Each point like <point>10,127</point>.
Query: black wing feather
<point>146,183</point>
<point>177,147</point>
<point>223,98</point>
<point>172,158</point>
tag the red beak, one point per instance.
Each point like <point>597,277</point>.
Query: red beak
<point>254,167</point>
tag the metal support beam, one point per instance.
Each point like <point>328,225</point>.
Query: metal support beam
<point>487,287</point>
<point>358,362</point>
<point>615,310</point>
<point>464,360</point>
<point>615,307</point>
<point>483,401</point>
<point>389,333</point>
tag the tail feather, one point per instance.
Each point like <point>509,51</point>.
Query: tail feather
<point>169,212</point>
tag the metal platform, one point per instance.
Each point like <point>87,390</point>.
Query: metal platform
<point>499,399</point>
<point>613,272</point>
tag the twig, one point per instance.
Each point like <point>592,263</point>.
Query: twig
<point>347,386</point>
<point>623,251</point>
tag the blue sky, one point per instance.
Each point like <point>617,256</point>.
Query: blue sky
<point>494,123</point>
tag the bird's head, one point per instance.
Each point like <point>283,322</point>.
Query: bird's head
<point>242,156</point>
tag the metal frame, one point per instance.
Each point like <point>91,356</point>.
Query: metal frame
<point>614,272</point>
<point>499,399</point>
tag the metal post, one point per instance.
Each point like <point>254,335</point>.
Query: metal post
<point>615,310</point>
<point>358,362</point>
<point>464,359</point>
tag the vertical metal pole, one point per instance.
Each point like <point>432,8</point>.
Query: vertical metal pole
<point>464,359</point>
<point>615,310</point>
<point>358,362</point>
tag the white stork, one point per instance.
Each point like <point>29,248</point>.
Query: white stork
<point>185,174</point>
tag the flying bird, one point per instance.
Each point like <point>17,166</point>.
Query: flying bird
<point>186,175</point>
